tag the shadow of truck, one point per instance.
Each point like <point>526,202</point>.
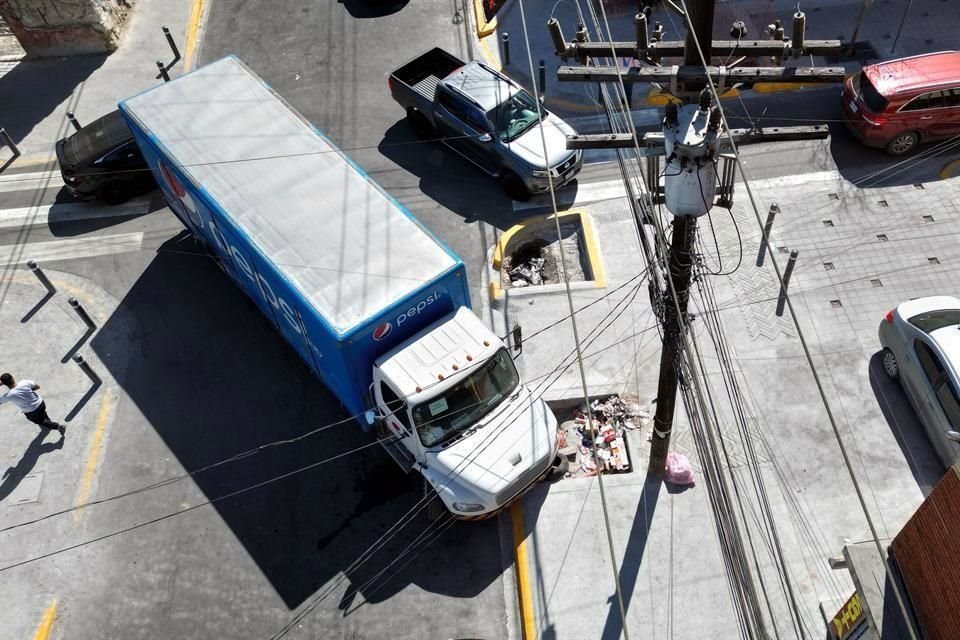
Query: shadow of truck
<point>214,379</point>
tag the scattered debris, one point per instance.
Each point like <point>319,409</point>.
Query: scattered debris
<point>527,273</point>
<point>535,258</point>
<point>613,418</point>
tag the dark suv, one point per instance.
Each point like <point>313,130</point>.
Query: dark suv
<point>102,161</point>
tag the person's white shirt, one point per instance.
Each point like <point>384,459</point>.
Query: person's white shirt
<point>23,396</point>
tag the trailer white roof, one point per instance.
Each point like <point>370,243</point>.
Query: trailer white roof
<point>344,244</point>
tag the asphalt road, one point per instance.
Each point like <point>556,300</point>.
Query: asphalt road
<point>330,60</point>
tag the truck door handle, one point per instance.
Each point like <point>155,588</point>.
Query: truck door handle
<point>926,117</point>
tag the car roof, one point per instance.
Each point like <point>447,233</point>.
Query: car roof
<point>96,138</point>
<point>915,73</point>
<point>484,85</point>
<point>911,308</point>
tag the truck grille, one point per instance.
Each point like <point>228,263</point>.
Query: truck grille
<point>522,482</point>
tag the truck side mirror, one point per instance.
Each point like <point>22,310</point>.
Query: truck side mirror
<point>371,417</point>
<point>485,137</point>
<point>517,335</point>
<point>953,435</point>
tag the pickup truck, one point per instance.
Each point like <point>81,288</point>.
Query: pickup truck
<point>373,304</point>
<point>488,119</point>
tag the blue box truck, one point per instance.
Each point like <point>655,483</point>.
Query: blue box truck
<point>372,302</point>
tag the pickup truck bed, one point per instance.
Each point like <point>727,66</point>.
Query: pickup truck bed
<point>422,74</point>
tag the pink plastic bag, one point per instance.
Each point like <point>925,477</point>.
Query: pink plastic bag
<point>678,469</point>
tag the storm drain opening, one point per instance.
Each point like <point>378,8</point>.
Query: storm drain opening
<point>533,256</point>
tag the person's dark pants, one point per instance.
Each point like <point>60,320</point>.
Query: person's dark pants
<point>40,418</point>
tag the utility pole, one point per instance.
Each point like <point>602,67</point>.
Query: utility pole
<point>692,138</point>
<point>691,141</point>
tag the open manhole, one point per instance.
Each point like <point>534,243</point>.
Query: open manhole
<point>532,256</point>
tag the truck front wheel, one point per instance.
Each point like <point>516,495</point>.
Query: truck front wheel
<point>514,187</point>
<point>420,125</point>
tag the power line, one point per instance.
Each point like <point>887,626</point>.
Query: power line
<point>803,342</point>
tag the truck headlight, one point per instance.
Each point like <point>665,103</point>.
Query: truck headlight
<point>540,173</point>
<point>468,507</point>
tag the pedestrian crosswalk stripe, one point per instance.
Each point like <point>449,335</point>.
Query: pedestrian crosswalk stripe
<point>590,192</point>
<point>69,211</point>
<point>30,181</point>
<point>71,249</point>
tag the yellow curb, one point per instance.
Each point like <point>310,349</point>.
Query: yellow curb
<point>93,457</point>
<point>484,28</point>
<point>46,623</point>
<point>492,60</point>
<point>192,27</point>
<point>590,243</point>
<point>950,169</point>
<point>494,290</point>
<point>524,593</point>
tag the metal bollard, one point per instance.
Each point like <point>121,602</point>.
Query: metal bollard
<point>41,276</point>
<point>73,120</point>
<point>163,71</point>
<point>774,210</point>
<point>7,140</point>
<point>786,281</point>
<point>173,45</point>
<point>85,367</point>
<point>505,38</point>
<point>543,76</point>
<point>87,320</point>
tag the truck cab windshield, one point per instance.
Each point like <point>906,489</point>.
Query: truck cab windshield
<point>512,117</point>
<point>444,417</point>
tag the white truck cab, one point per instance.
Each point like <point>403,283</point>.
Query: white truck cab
<point>454,399</point>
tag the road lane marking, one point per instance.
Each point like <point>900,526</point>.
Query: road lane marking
<point>68,212</point>
<point>585,193</point>
<point>524,593</point>
<point>29,181</point>
<point>192,28</point>
<point>71,249</point>
<point>46,623</point>
<point>93,456</point>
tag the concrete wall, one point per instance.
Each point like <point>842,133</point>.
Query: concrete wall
<point>66,27</point>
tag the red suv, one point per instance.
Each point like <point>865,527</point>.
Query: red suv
<point>897,104</point>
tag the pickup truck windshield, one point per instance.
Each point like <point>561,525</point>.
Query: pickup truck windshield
<point>512,117</point>
<point>444,417</point>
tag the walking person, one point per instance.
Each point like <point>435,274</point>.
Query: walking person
<point>24,395</point>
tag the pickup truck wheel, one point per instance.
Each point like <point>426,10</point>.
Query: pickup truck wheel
<point>420,125</point>
<point>514,187</point>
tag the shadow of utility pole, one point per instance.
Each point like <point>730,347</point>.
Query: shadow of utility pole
<point>633,556</point>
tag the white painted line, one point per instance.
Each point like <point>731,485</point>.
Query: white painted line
<point>590,192</point>
<point>29,181</point>
<point>68,212</point>
<point>71,249</point>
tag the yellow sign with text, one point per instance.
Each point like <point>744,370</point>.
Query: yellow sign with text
<point>850,619</point>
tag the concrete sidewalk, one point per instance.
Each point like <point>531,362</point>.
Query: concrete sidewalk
<point>862,251</point>
<point>36,93</point>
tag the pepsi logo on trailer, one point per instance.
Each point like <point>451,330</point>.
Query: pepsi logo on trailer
<point>382,331</point>
<point>181,201</point>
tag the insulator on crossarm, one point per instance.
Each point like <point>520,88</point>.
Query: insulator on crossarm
<point>556,34</point>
